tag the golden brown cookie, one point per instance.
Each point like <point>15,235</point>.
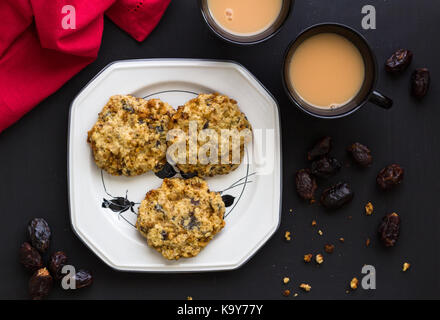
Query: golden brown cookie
<point>129,137</point>
<point>215,112</point>
<point>180,217</point>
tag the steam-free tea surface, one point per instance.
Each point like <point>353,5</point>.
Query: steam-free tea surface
<point>245,17</point>
<point>327,70</point>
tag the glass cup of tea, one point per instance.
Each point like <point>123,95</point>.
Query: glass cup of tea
<point>330,71</point>
<point>245,22</point>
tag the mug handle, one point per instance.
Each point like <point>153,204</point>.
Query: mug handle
<point>380,100</point>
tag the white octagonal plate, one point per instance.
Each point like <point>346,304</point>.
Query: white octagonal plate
<point>256,184</point>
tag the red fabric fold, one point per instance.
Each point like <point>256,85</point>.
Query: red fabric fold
<point>38,53</point>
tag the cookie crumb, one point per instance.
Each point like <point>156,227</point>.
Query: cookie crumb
<point>406,266</point>
<point>354,283</point>
<point>319,258</point>
<point>305,287</point>
<point>295,294</point>
<point>189,298</point>
<point>342,240</point>
<point>369,209</point>
<point>308,257</point>
<point>290,210</point>
<point>320,232</point>
<point>329,248</point>
<point>287,236</point>
<point>286,280</point>
<point>286,293</point>
<point>314,223</point>
<point>367,242</point>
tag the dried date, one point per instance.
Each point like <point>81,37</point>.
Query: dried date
<point>39,234</point>
<point>325,167</point>
<point>420,80</point>
<point>305,184</point>
<point>321,148</point>
<point>390,176</point>
<point>57,261</point>
<point>167,171</point>
<point>30,258</point>
<point>40,284</point>
<point>336,196</point>
<point>389,229</point>
<point>399,61</point>
<point>361,154</point>
<point>83,278</point>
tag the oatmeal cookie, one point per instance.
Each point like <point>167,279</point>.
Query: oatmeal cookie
<point>216,112</point>
<point>180,217</point>
<point>129,137</point>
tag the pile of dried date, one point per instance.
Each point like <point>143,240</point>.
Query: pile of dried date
<point>30,256</point>
<point>323,166</point>
<point>420,78</point>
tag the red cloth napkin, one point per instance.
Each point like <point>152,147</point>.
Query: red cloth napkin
<point>38,54</point>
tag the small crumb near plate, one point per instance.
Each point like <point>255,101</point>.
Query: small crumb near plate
<point>406,266</point>
<point>308,257</point>
<point>329,248</point>
<point>319,258</point>
<point>305,287</point>
<point>287,236</point>
<point>354,283</point>
<point>286,280</point>
<point>367,242</point>
<point>369,209</point>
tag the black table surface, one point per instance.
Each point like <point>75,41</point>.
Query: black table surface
<point>33,179</point>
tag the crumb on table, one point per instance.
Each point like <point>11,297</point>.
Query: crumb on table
<point>319,258</point>
<point>287,236</point>
<point>286,280</point>
<point>406,266</point>
<point>354,283</point>
<point>305,287</point>
<point>286,293</point>
<point>369,209</point>
<point>329,248</point>
<point>308,257</point>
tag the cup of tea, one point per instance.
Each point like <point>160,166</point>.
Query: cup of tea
<point>245,21</point>
<point>330,71</point>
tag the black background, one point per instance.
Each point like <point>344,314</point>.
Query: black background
<point>33,180</point>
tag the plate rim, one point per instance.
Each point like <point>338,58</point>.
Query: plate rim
<point>69,193</point>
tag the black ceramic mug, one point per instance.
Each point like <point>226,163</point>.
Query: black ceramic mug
<point>368,89</point>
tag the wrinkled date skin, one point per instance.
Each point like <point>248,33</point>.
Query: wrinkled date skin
<point>83,278</point>
<point>40,284</point>
<point>305,184</point>
<point>399,61</point>
<point>390,176</point>
<point>325,167</point>
<point>321,148</point>
<point>389,229</point>
<point>30,258</point>
<point>39,234</point>
<point>166,172</point>
<point>361,154</point>
<point>420,80</point>
<point>57,261</point>
<point>336,196</point>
